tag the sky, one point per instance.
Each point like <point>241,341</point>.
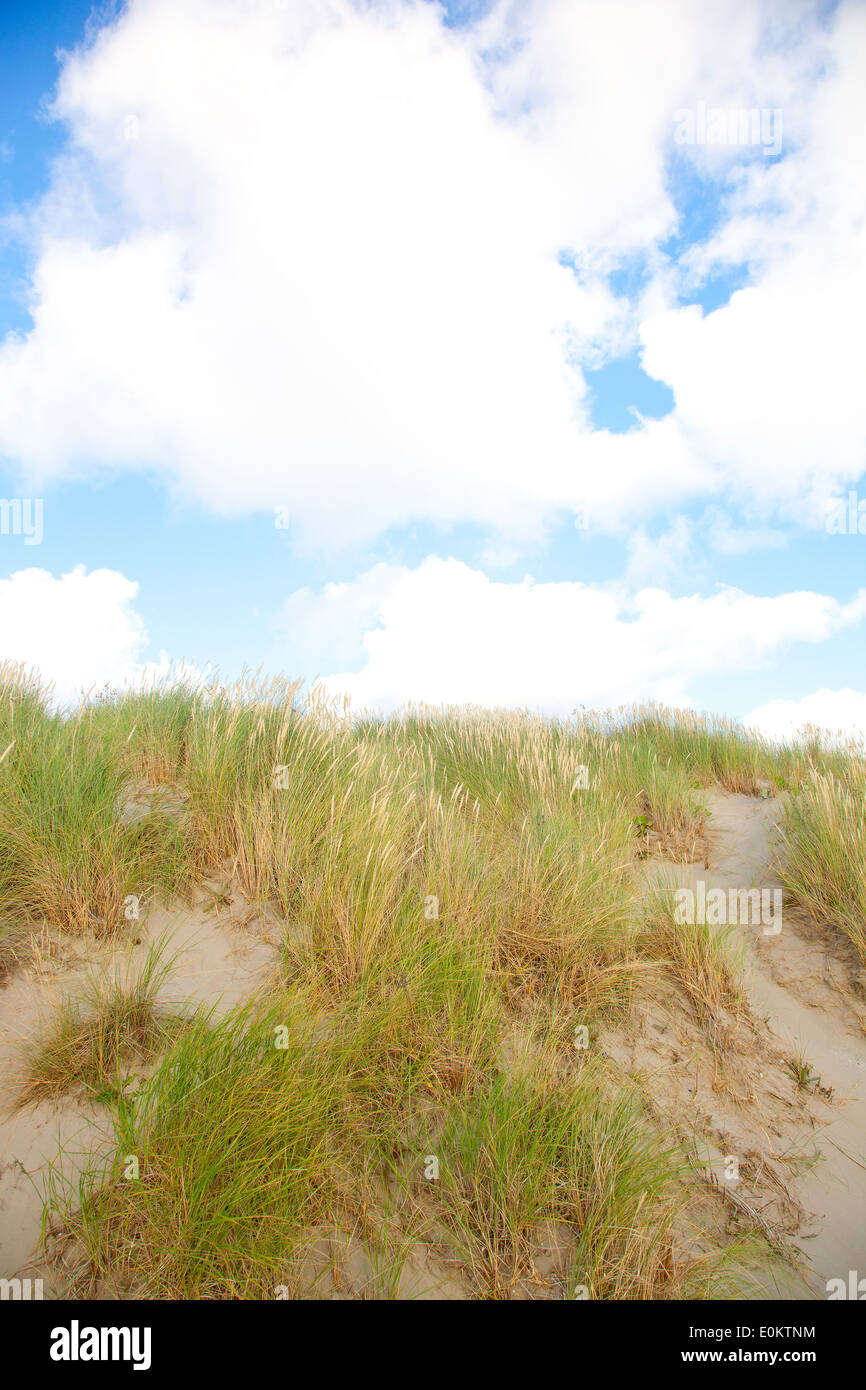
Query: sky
<point>502,353</point>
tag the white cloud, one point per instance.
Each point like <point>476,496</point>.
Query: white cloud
<point>446,633</point>
<point>834,711</point>
<point>308,255</point>
<point>656,560</point>
<point>329,627</point>
<point>734,538</point>
<point>771,383</point>
<point>81,632</point>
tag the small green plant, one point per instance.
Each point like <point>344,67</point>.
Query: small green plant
<point>91,1037</point>
<point>805,1078</point>
<point>801,1072</point>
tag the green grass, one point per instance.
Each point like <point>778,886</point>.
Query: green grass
<point>538,1149</point>
<point>244,1150</point>
<point>69,859</point>
<point>823,856</point>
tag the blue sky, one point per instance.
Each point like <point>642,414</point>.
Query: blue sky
<point>553,404</point>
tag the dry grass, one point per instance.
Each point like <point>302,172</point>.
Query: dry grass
<point>703,961</point>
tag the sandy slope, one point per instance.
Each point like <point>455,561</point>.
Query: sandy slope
<point>801,1152</point>
<point>805,991</point>
<point>804,983</point>
<point>221,952</point>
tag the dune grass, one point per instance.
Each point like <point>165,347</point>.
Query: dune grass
<point>457,893</point>
<point>823,853</point>
<point>703,960</point>
<point>246,1148</point>
<point>13,946</point>
<point>116,1022</point>
<point>68,857</point>
<point>533,1150</point>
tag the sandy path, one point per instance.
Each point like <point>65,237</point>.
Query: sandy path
<point>796,983</point>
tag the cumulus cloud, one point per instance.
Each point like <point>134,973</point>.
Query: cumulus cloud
<point>329,628</point>
<point>756,383</point>
<point>656,561</point>
<point>836,712</point>
<point>446,633</point>
<point>344,259</point>
<point>80,632</point>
